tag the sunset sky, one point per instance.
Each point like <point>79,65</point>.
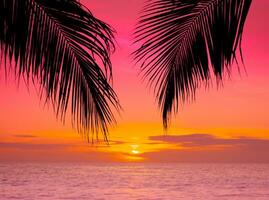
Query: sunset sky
<point>229,124</point>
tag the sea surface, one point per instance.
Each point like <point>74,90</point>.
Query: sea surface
<point>133,181</point>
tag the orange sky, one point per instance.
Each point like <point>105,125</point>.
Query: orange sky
<point>228,124</point>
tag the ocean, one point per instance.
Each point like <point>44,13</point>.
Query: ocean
<point>49,181</point>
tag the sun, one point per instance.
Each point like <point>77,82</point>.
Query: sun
<point>134,149</point>
<point>135,154</point>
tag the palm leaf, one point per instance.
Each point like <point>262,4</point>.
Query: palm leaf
<point>63,48</point>
<point>184,43</point>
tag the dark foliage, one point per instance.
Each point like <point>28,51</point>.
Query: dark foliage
<point>65,50</point>
<point>186,43</point>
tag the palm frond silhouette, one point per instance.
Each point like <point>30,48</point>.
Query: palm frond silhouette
<point>65,50</point>
<point>185,43</point>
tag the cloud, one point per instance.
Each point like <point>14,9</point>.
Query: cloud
<point>33,146</point>
<point>104,144</point>
<point>56,152</point>
<point>203,140</point>
<point>116,142</point>
<point>41,146</point>
<point>209,148</point>
<point>25,136</point>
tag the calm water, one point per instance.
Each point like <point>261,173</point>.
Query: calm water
<point>134,181</point>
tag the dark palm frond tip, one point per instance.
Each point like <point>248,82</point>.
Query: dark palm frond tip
<point>185,43</point>
<point>67,50</point>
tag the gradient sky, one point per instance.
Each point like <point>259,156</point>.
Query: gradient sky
<point>228,124</point>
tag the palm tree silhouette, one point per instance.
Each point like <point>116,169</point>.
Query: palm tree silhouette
<point>65,50</point>
<point>184,43</point>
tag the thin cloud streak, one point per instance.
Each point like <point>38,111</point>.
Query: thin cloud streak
<point>25,136</point>
<point>34,146</point>
<point>201,140</point>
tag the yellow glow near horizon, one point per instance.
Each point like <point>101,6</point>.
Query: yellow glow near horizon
<point>134,151</point>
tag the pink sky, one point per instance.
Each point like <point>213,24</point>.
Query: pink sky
<point>239,109</point>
